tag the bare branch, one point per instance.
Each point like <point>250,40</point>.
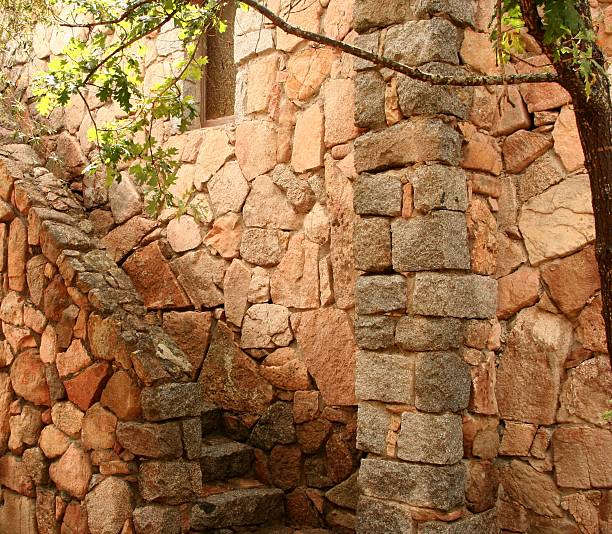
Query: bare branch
<point>382,61</point>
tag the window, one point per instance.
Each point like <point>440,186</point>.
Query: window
<point>217,92</point>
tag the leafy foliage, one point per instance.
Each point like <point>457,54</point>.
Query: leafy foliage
<point>105,59</point>
<point>565,34</point>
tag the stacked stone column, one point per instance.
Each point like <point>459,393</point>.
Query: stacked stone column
<point>416,293</point>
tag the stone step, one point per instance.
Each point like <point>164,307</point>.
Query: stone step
<point>222,458</point>
<point>237,508</point>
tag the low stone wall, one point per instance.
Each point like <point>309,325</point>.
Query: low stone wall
<point>85,373</point>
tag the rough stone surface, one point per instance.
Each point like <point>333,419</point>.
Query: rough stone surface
<point>235,288</point>
<point>420,98</point>
<point>482,233</point>
<point>438,487</point>
<point>262,246</point>
<point>154,280</point>
<point>122,396</point>
<point>231,378</point>
<point>539,176</point>
<point>424,41</point>
<point>339,101</point>
<point>373,422</point>
<point>268,207</point>
<point>14,475</point>
<point>157,520</point>
<point>580,457</point>
<point>383,517</point>
<point>295,282</point>
<point>378,194</point>
<point>98,430</point>
<point>308,147</point>
<point>225,235</point>
<point>124,200</point>
<point>308,69</point>
<point>151,440</point>
<point>369,14</point>
<point>170,401</point>
<point>567,140</point>
<point>381,293</point>
<point>374,333</point>
<point>517,291</point>
<point>584,393</point>
<point>438,187</point>
<point>369,100</point>
<point>535,351</point>
<point>183,233</point>
<point>284,370</point>
<point>517,439</point>
<point>558,221</point>
<point>237,508</point>
<point>434,241</point>
<point>28,378</point>
<point>590,331</point>
<point>121,240</point>
<point>532,489</point>
<point>18,513</point>
<point>228,189</point>
<point>572,281</point>
<point>255,147</point>
<point>372,244</point>
<point>339,198</point>
<point>201,276</point>
<point>485,523</point>
<point>72,472</point>
<point>173,482</point>
<point>434,439</point>
<point>522,148</point>
<point>109,506</point>
<point>326,340</point>
<point>415,333</point>
<point>384,377</point>
<point>274,427</point>
<point>191,331</point>
<point>442,382</point>
<point>393,146</point>
<point>461,296</point>
<point>266,326</point>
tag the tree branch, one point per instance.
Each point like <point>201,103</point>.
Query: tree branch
<point>382,61</point>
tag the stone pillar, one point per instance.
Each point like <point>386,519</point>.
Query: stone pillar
<point>417,291</point>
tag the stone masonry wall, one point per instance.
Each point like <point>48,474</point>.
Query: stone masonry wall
<point>425,252</point>
<point>419,296</point>
<point>481,391</point>
<point>544,376</point>
<point>259,294</point>
<point>85,376</point>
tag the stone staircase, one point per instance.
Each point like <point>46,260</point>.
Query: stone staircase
<point>233,500</point>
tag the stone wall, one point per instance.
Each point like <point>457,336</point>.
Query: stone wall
<point>424,252</point>
<point>481,393</point>
<point>84,372</point>
<point>259,294</point>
